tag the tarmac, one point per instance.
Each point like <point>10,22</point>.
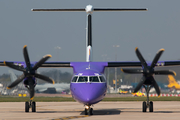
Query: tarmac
<point>163,110</point>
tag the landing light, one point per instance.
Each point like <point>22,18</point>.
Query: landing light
<point>87,107</point>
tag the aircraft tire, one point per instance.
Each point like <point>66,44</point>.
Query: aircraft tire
<point>151,107</point>
<point>33,106</point>
<point>85,112</point>
<point>26,106</point>
<point>144,106</point>
<point>91,111</point>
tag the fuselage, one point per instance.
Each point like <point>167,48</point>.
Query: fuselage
<point>88,87</point>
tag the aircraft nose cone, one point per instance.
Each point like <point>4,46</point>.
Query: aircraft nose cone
<point>89,97</point>
<point>89,93</point>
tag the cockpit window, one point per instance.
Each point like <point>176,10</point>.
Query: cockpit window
<point>97,79</point>
<point>93,79</point>
<point>74,79</point>
<point>101,78</point>
<point>82,79</point>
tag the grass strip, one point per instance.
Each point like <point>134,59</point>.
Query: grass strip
<point>64,99</point>
<point>37,99</point>
<point>142,99</point>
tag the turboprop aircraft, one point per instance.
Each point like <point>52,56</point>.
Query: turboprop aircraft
<point>88,85</point>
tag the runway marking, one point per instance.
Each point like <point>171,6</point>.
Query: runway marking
<point>72,117</point>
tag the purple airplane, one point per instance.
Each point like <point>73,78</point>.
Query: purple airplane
<point>88,85</point>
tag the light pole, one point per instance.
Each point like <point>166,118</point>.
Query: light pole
<point>116,46</point>
<point>58,49</point>
<point>107,73</point>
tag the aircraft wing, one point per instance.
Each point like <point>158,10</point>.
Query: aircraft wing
<point>124,64</point>
<point>56,64</point>
<point>111,64</point>
<point>46,64</point>
<point>138,64</point>
<point>171,63</point>
<point>106,64</point>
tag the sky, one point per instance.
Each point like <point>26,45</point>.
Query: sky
<point>44,32</point>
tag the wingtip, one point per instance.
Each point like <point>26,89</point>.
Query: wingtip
<point>159,95</point>
<point>122,70</point>
<point>136,48</point>
<point>174,73</point>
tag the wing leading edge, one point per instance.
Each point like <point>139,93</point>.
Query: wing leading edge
<point>138,64</point>
<point>108,64</point>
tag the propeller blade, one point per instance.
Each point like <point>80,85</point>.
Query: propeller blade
<point>132,71</point>
<point>31,92</point>
<point>38,64</point>
<point>156,87</point>
<point>143,62</point>
<point>156,58</point>
<point>17,81</point>
<point>16,67</point>
<point>45,78</point>
<point>164,72</point>
<point>26,57</point>
<point>138,87</point>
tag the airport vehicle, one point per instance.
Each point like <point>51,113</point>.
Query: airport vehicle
<point>88,85</point>
<point>172,83</point>
<point>138,94</point>
<point>123,91</point>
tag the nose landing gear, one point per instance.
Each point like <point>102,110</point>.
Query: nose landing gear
<point>31,104</point>
<point>88,110</point>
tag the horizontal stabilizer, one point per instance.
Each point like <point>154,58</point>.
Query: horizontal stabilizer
<point>90,9</point>
<point>95,9</point>
<point>59,10</point>
<point>120,9</point>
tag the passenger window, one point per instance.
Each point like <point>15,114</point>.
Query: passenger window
<point>74,79</point>
<point>82,79</point>
<point>93,79</point>
<point>102,79</point>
